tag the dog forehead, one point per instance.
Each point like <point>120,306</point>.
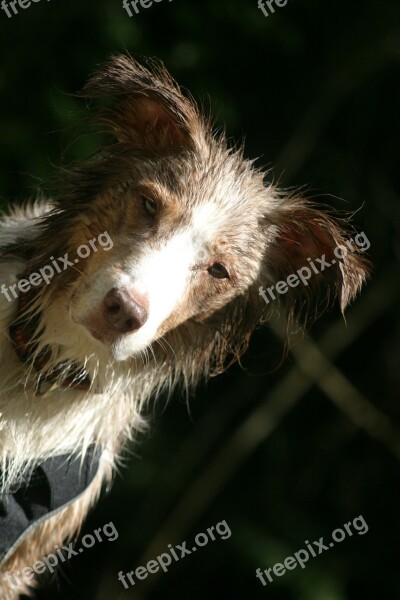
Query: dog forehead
<point>211,219</point>
<point>207,224</point>
<point>205,217</point>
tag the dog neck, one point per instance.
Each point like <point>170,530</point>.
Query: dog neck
<point>22,334</point>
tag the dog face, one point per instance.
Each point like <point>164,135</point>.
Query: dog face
<point>180,251</point>
<point>192,230</point>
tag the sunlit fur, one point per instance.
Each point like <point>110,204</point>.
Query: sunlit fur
<point>213,206</point>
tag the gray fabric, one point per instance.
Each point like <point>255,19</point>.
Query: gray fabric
<point>52,485</point>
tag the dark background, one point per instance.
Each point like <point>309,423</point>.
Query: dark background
<point>287,448</point>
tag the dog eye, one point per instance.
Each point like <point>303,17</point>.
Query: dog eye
<point>218,271</point>
<point>150,206</point>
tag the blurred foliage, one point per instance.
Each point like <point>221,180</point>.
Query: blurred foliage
<point>314,88</point>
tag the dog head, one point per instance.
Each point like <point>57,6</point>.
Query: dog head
<point>183,232</point>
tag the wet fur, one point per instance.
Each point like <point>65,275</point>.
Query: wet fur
<point>160,143</point>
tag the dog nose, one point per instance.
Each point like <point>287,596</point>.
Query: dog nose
<point>124,310</point>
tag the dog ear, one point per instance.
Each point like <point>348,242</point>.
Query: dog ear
<point>314,254</point>
<point>147,108</point>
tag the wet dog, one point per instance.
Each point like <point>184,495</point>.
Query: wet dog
<point>195,233</point>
